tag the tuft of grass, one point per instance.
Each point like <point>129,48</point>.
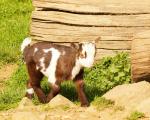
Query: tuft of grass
<point>118,108</point>
<point>49,108</point>
<point>46,108</point>
<point>136,115</point>
<point>102,103</point>
<point>68,90</point>
<point>64,107</point>
<point>14,27</point>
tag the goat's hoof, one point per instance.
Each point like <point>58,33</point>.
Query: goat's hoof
<point>29,96</point>
<point>85,105</point>
<point>43,101</point>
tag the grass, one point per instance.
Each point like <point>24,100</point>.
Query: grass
<point>14,89</point>
<point>14,27</point>
<point>102,103</point>
<point>135,115</point>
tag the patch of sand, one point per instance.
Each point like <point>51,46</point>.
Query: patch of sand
<point>5,73</point>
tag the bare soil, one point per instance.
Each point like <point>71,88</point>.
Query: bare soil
<point>5,73</point>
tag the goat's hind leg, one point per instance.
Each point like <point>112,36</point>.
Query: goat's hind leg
<point>29,91</point>
<point>35,79</point>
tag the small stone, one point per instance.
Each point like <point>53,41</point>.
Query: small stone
<point>129,95</point>
<point>25,102</point>
<point>59,100</point>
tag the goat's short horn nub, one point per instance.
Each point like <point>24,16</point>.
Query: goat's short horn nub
<point>97,39</point>
<point>25,43</point>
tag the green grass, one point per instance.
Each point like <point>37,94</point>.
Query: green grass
<point>14,27</point>
<point>14,89</point>
<point>135,115</point>
<point>102,103</point>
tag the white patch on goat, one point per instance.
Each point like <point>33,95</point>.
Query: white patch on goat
<point>63,53</point>
<point>37,67</point>
<point>76,69</point>
<point>30,91</point>
<point>25,43</point>
<point>51,69</point>
<point>89,48</point>
<point>42,65</point>
<point>47,50</point>
<point>35,50</point>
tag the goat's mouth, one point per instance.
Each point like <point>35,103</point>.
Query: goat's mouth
<point>86,62</point>
<point>90,66</point>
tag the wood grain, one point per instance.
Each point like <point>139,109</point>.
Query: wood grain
<point>140,56</point>
<point>104,53</point>
<point>106,33</point>
<point>93,20</point>
<point>96,6</point>
<point>116,22</point>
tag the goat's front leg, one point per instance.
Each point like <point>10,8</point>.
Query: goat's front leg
<point>55,89</point>
<point>40,94</point>
<point>80,89</point>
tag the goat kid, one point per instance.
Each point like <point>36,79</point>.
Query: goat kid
<point>58,63</point>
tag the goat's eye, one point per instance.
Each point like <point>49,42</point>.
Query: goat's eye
<point>85,55</point>
<point>95,54</point>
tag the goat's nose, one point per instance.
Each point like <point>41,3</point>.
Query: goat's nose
<point>91,65</point>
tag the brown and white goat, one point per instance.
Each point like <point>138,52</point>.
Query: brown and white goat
<point>58,63</point>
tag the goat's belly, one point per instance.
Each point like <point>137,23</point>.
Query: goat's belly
<point>51,76</point>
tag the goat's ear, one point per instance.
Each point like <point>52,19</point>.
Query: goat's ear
<point>97,40</point>
<point>80,46</point>
<point>82,54</point>
<point>74,45</point>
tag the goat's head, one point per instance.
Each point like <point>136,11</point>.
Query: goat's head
<point>87,51</point>
<point>86,54</point>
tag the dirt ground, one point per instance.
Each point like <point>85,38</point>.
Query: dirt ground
<point>5,73</point>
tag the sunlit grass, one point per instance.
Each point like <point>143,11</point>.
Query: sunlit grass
<point>14,27</point>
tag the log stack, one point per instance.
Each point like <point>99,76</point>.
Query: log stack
<point>140,57</point>
<point>115,21</point>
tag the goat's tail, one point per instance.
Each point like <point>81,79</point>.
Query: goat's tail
<point>26,42</point>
